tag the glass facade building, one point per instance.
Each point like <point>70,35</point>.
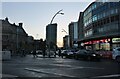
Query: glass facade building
<point>101,24</point>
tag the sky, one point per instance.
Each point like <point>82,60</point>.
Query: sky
<point>35,16</point>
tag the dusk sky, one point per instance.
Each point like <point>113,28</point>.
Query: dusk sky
<point>35,16</point>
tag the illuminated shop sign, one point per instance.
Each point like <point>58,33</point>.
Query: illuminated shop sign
<point>97,41</point>
<point>116,40</point>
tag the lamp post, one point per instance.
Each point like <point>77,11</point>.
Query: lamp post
<point>59,12</point>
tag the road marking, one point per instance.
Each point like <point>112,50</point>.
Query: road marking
<point>48,72</point>
<point>76,67</point>
<point>107,76</point>
<point>7,75</point>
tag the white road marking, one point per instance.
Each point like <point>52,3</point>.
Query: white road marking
<point>76,67</point>
<point>7,75</point>
<point>107,76</point>
<point>48,72</point>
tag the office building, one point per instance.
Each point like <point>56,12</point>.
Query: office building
<point>101,26</point>
<point>73,33</point>
<point>51,34</point>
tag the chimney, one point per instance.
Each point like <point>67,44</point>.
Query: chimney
<point>6,18</point>
<point>20,24</point>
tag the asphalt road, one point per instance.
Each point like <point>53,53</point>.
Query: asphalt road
<point>58,68</point>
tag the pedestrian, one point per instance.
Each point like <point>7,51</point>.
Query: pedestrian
<point>43,47</point>
<point>59,53</point>
<point>43,52</point>
<point>23,53</point>
<point>34,54</point>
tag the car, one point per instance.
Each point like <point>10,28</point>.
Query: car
<point>64,53</point>
<point>70,54</point>
<point>87,55</point>
<point>116,54</point>
<point>39,51</point>
<point>67,53</point>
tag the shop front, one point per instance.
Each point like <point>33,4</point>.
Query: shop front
<point>102,44</point>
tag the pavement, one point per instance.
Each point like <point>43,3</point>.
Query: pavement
<point>58,68</point>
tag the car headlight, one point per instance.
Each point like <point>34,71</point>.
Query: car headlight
<point>93,54</point>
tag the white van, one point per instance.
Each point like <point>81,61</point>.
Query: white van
<point>116,54</point>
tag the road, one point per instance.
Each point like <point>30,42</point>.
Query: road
<point>58,68</point>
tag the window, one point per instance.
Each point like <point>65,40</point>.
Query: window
<point>98,16</point>
<point>112,11</point>
<point>112,18</point>
<point>116,10</point>
<point>94,6</point>
<point>102,29</point>
<point>117,18</point>
<point>108,20</point>
<point>88,32</point>
<point>94,18</point>
<point>104,14</point>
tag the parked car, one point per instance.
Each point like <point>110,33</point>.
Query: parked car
<point>67,53</point>
<point>64,53</point>
<point>105,54</point>
<point>87,55</point>
<point>116,54</point>
<point>37,52</point>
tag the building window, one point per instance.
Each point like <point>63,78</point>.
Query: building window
<point>88,32</point>
<point>116,10</point>
<point>94,6</point>
<point>108,21</point>
<point>112,18</point>
<point>112,11</point>
<point>104,14</point>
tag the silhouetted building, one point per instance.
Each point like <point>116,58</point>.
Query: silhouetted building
<point>14,36</point>
<point>66,42</point>
<point>30,41</point>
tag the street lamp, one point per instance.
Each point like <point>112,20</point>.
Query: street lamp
<point>64,31</point>
<point>59,12</point>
